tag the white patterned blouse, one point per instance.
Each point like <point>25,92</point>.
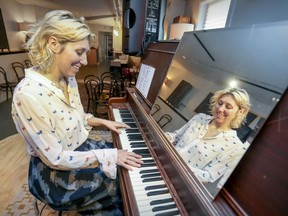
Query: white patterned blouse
<point>209,158</point>
<point>54,127</point>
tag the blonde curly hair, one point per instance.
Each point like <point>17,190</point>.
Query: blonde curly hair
<point>241,98</point>
<point>63,25</point>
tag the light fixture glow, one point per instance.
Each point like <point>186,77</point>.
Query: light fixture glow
<point>115,31</point>
<point>233,83</point>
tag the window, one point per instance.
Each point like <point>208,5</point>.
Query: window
<point>213,14</point>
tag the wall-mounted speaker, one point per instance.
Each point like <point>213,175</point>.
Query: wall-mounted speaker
<point>142,23</point>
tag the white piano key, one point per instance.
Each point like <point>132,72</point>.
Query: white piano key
<point>148,213</point>
<point>142,199</point>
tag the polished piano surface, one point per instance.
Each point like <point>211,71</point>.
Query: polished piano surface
<point>164,186</point>
<point>161,186</point>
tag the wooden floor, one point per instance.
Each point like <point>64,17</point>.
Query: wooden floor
<point>14,158</point>
<point>13,168</point>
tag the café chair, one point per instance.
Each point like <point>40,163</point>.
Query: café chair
<point>28,63</point>
<point>5,85</point>
<point>93,77</point>
<point>164,120</point>
<point>19,70</point>
<point>108,86</point>
<point>96,99</point>
<point>155,108</point>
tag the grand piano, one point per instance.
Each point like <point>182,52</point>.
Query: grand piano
<point>164,185</point>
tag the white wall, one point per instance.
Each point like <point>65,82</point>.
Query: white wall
<point>14,13</point>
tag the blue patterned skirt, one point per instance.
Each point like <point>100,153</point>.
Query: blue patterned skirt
<point>88,191</point>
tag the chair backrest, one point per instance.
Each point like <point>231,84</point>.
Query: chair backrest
<point>106,80</point>
<point>93,89</point>
<point>157,108</point>
<point>28,63</point>
<point>19,70</point>
<point>91,77</point>
<point>164,120</point>
<point>105,75</point>
<point>4,76</point>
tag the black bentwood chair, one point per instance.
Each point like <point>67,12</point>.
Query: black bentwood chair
<point>19,70</point>
<point>91,82</point>
<point>5,85</point>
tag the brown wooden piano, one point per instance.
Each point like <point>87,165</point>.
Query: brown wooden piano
<point>258,186</point>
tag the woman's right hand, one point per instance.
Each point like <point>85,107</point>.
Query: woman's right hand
<point>128,159</point>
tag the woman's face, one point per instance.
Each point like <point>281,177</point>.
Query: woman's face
<point>225,110</point>
<point>71,58</point>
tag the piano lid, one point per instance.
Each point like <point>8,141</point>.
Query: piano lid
<point>209,60</point>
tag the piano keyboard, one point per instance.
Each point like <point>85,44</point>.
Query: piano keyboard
<point>151,193</point>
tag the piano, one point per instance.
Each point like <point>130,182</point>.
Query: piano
<point>164,186</point>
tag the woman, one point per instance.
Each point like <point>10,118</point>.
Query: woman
<point>208,144</point>
<point>67,170</point>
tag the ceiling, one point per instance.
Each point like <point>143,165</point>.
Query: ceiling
<point>99,12</point>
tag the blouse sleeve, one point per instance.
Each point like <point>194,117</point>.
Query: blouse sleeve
<point>175,136</point>
<point>36,126</point>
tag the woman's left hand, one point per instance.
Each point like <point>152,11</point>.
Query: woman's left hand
<point>112,125</point>
<point>115,126</point>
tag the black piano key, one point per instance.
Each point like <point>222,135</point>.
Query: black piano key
<point>150,175</point>
<point>142,152</point>
<point>154,187</point>
<point>123,111</point>
<point>148,171</point>
<point>163,207</point>
<point>131,124</point>
<point>135,136</point>
<point>158,192</point>
<point>138,145</point>
<point>126,120</point>
<point>148,161</point>
<point>145,156</point>
<point>161,201</point>
<point>170,213</point>
<point>129,130</point>
<point>152,179</point>
<point>125,115</point>
<point>148,165</point>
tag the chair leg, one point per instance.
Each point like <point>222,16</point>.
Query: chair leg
<point>11,90</point>
<point>35,205</point>
<point>7,93</point>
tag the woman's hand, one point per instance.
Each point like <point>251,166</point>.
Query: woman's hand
<point>128,159</point>
<point>115,126</point>
<point>112,125</point>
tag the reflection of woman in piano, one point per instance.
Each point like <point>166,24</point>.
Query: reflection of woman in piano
<point>209,144</point>
<point>67,170</point>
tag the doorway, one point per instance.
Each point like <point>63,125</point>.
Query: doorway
<point>105,45</point>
